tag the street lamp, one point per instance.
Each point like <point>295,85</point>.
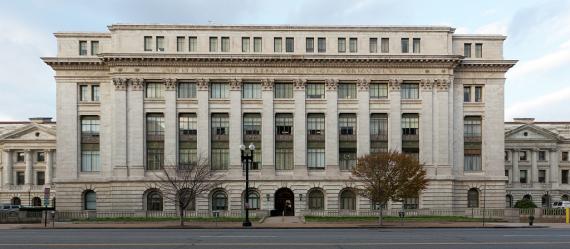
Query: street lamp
<point>247,160</point>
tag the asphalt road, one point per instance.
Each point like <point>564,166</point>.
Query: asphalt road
<point>288,238</point>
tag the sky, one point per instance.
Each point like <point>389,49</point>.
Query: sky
<point>538,36</point>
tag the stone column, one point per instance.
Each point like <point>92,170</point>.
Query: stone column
<point>554,168</point>
<point>363,118</point>
<point>136,135</point>
<point>427,130</point>
<point>120,128</point>
<point>331,127</point>
<point>267,126</point>
<point>29,178</point>
<point>441,136</point>
<point>395,116</point>
<point>203,116</point>
<point>170,120</point>
<point>49,166</point>
<point>235,128</point>
<point>516,171</point>
<point>458,115</point>
<point>534,165</point>
<point>8,164</point>
<point>299,126</point>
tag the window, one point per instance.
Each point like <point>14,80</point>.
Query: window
<point>289,45</point>
<point>342,45</point>
<point>507,157</point>
<point>245,44</point>
<point>310,45</point>
<point>257,44</point>
<point>378,132</point>
<point>20,178</point>
<point>220,124</point>
<point>90,157</point>
<point>90,200</point>
<point>148,43</point>
<point>213,44</point>
<point>225,44</point>
<point>219,91</point>
<point>523,176</point>
<point>36,202</point>
<point>405,45</point>
<point>416,45</point>
<point>283,124</point>
<point>283,158</point>
<point>322,44</point>
<point>83,93</point>
<point>283,90</point>
<point>315,91</point>
<point>283,141</point>
<point>94,47</point>
<point>192,44</point>
<point>95,93</point>
<point>467,50</point>
<point>187,123</point>
<point>522,155</point>
<point>251,91</point>
<point>40,157</point>
<point>564,156</point>
<point>16,201</point>
<point>180,43</point>
<point>187,129</point>
<point>472,146</point>
<point>410,125</point>
<point>467,94</point>
<point>277,44</point>
<point>186,90</point>
<point>346,91</point>
<point>154,90</point>
<point>542,176</point>
<point>90,125</point>
<point>473,198</point>
<point>410,91</point>
<point>82,47</point>
<point>252,125</point>
<point>509,201</point>
<point>316,158</point>
<point>373,45</point>
<point>472,162</point>
<point>378,90</point>
<point>253,200</point>
<point>353,45</point>
<point>154,201</point>
<point>160,43</point>
<point>315,124</point>
<point>564,176</point>
<point>219,200</point>
<point>347,124</point>
<point>20,157</point>
<point>155,141</point>
<point>478,94</point>
<point>542,155</point>
<point>472,126</point>
<point>385,45</point>
<point>478,50</point>
<point>347,158</point>
<point>347,200</point>
<point>219,156</point>
<point>316,200</point>
<point>411,202</point>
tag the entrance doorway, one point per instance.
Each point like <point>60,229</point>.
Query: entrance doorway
<point>285,202</point>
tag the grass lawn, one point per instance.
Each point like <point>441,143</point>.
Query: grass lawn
<point>156,219</point>
<point>394,218</point>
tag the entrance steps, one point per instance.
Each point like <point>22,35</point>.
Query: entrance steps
<point>283,220</point>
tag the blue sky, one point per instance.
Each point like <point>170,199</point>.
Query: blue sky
<point>538,36</point>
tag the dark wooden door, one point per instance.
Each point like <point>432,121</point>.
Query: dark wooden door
<point>285,202</point>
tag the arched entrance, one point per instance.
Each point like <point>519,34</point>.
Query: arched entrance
<point>285,202</point>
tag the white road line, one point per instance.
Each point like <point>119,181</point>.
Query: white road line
<point>237,236</point>
<point>537,235</point>
<point>290,244</point>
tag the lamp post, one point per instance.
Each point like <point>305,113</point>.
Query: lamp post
<point>247,160</point>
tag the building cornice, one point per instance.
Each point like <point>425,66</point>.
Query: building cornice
<point>75,63</point>
<point>485,65</point>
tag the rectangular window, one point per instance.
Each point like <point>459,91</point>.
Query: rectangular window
<point>154,141</point>
<point>478,50</point>
<point>94,47</point>
<point>40,157</point>
<point>155,124</point>
<point>283,124</point>
<point>322,45</point>
<point>192,43</point>
<point>542,155</point>
<point>187,155</point>
<point>251,91</point>
<point>315,124</point>
<point>187,124</point>
<point>315,91</point>
<point>283,90</point>
<point>20,157</point>
<point>316,141</point>
<point>565,176</point>
<point>347,124</point>
<point>95,93</point>
<point>89,126</point>
<point>257,44</point>
<point>467,94</point>
<point>472,162</point>
<point>40,178</point>
<point>251,124</point>
<point>187,147</point>
<point>154,90</point>
<point>180,43</point>
<point>346,159</point>
<point>478,94</point>
<point>542,176</point>
<point>225,44</point>
<point>289,45</point>
<point>82,47</point>
<point>245,44</point>
<point>353,45</point>
<point>83,93</point>
<point>507,158</point>
<point>373,45</point>
<point>186,90</point>
<point>283,141</point>
<point>410,91</point>
<point>219,149</point>
<point>148,43</point>
<point>410,124</point>
<point>522,155</point>
<point>346,91</point>
<point>385,45</point>
<point>160,43</point>
<point>472,143</point>
<point>341,45</point>
<point>220,124</point>
<point>220,158</point>
<point>213,44</point>
<point>523,176</point>
<point>405,45</point>
<point>283,158</point>
<point>90,157</point>
<point>472,126</point>
<point>310,45</point>
<point>277,44</point>
<point>20,178</point>
<point>219,91</point>
<point>564,156</point>
<point>378,90</point>
<point>378,132</point>
<point>467,50</point>
<point>316,158</point>
<point>416,45</point>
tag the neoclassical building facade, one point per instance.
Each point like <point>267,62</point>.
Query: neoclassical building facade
<point>27,163</point>
<point>310,98</point>
<point>536,161</point>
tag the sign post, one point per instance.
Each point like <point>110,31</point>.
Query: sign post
<point>567,215</point>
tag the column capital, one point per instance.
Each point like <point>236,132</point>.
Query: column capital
<point>120,83</point>
<point>235,84</point>
<point>137,84</point>
<point>267,84</point>
<point>362,84</point>
<point>169,84</point>
<point>394,85</point>
<point>299,84</point>
<point>203,84</point>
<point>442,85</point>
<point>426,84</point>
<point>331,84</point>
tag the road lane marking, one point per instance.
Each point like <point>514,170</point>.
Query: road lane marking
<point>238,236</point>
<point>286,244</point>
<point>536,235</point>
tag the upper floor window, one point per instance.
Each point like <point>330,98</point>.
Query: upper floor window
<point>346,91</point>
<point>341,45</point>
<point>40,157</point>
<point>155,124</point>
<point>283,90</point>
<point>257,44</point>
<point>522,155</point>
<point>410,91</point>
<point>220,124</point>
<point>20,156</point>
<point>564,156</point>
<point>289,45</point>
<point>180,43</point>
<point>148,43</point>
<point>315,124</point>
<point>310,45</point>
<point>283,124</point>
<point>245,44</point>
<point>416,45</point>
<point>82,47</point>
<point>478,50</point>
<point>472,126</point>
<point>472,93</point>
<point>252,124</point>
<point>379,125</point>
<point>160,43</point>
<point>542,155</point>
<point>507,157</point>
<point>353,45</point>
<point>83,93</point>
<point>94,47</point>
<point>467,50</point>
<point>187,123</point>
<point>219,91</point>
<point>373,45</point>
<point>251,91</point>
<point>89,125</point>
<point>225,44</point>
<point>405,45</point>
<point>347,124</point>
<point>154,90</point>
<point>385,45</point>
<point>467,94</point>
<point>193,43</point>
<point>378,90</point>
<point>186,90</point>
<point>95,93</point>
<point>213,44</point>
<point>315,91</point>
<point>277,44</point>
<point>322,44</point>
<point>478,93</point>
<point>410,124</point>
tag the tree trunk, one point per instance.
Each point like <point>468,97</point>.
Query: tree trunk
<point>181,215</point>
<point>381,215</point>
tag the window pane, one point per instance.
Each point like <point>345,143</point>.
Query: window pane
<point>257,44</point>
<point>283,90</point>
<point>405,45</point>
<point>478,94</point>
<point>315,158</point>
<point>341,45</point>
<point>251,91</point>
<point>315,91</point>
<point>416,43</point>
<point>148,43</point>
<point>410,91</point>
<point>225,44</point>
<point>219,90</point>
<point>467,50</point>
<point>385,45</point>
<point>322,45</point>
<point>84,93</point>
<point>155,90</point>
<point>160,43</point>
<point>346,91</point>
<point>347,124</point>
<point>245,44</point>
<point>353,45</point>
<point>180,43</point>
<point>213,44</point>
<point>315,124</point>
<point>310,45</point>
<point>186,90</point>
<point>94,47</point>
<point>467,94</point>
<point>289,44</point>
<point>478,50</point>
<point>82,47</point>
<point>193,43</point>
<point>373,45</point>
<point>378,90</point>
<point>277,43</point>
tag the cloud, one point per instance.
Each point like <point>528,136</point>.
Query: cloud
<point>558,59</point>
<point>498,27</point>
<point>555,102</point>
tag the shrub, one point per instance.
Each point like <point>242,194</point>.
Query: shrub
<point>525,203</point>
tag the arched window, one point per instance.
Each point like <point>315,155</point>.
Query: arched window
<point>473,198</point>
<point>253,201</point>
<point>527,197</point>
<point>36,202</point>
<point>219,200</point>
<point>153,200</point>
<point>347,200</point>
<point>509,201</point>
<point>16,201</point>
<point>185,197</point>
<point>545,201</point>
<point>90,200</point>
<point>316,199</point>
<point>564,198</point>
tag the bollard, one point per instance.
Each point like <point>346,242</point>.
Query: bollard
<point>530,220</point>
<point>567,215</point>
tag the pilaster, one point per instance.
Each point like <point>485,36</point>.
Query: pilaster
<point>554,168</point>
<point>203,119</point>
<point>8,165</point>
<point>299,126</point>
<point>426,125</point>
<point>267,126</point>
<point>170,120</point>
<point>120,127</point>
<point>442,131</point>
<point>28,179</point>
<point>235,117</point>
<point>516,170</point>
<point>363,117</point>
<point>135,133</point>
<point>49,166</point>
<point>534,165</point>
<point>331,127</point>
<point>395,116</point>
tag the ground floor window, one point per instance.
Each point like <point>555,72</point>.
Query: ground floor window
<point>154,201</point>
<point>473,198</point>
<point>36,202</point>
<point>316,200</point>
<point>90,200</point>
<point>219,200</point>
<point>16,201</point>
<point>509,201</point>
<point>347,200</point>
<point>411,203</point>
<point>253,200</point>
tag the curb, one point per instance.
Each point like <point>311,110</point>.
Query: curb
<point>292,227</point>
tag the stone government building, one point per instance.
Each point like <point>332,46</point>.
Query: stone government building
<point>311,98</point>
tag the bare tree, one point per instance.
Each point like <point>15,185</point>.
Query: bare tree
<point>181,184</point>
<point>389,176</point>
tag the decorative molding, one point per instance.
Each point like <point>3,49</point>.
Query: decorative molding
<point>169,84</point>
<point>442,84</point>
<point>362,84</point>
<point>394,85</point>
<point>299,84</point>
<point>235,84</point>
<point>267,84</point>
<point>120,84</point>
<point>331,84</point>
<point>202,84</point>
<point>137,84</point>
<point>426,85</point>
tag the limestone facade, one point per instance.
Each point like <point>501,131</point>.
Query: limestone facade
<point>132,61</point>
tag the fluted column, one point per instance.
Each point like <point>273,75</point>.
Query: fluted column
<point>120,127</point>
<point>554,168</point>
<point>29,179</point>
<point>170,131</point>
<point>136,121</point>
<point>8,165</point>
<point>363,117</point>
<point>49,166</point>
<point>534,165</point>
<point>299,130</point>
<point>516,171</point>
<point>331,127</point>
<point>203,116</point>
<point>235,127</point>
<point>267,126</point>
<point>395,116</point>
